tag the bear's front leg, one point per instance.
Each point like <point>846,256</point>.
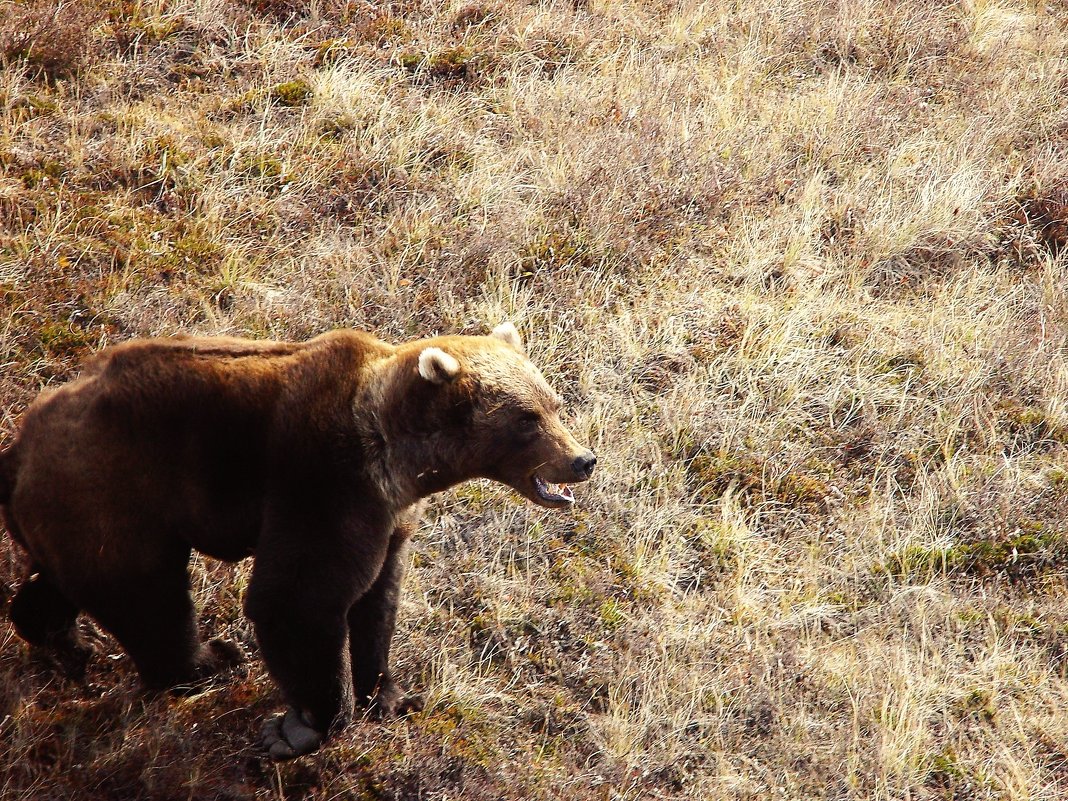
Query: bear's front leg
<point>306,652</point>
<point>372,620</point>
<point>302,587</point>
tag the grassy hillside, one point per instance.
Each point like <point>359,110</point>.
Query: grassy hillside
<point>796,266</point>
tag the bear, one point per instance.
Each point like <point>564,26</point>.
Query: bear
<point>313,458</point>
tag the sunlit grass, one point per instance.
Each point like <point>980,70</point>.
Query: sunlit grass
<point>796,268</point>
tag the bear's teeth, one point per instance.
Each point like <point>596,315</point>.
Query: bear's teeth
<point>554,492</point>
<point>564,491</point>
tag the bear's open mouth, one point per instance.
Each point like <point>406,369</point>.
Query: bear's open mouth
<point>553,494</point>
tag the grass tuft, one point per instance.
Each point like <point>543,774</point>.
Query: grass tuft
<point>52,39</point>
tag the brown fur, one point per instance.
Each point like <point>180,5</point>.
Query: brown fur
<point>313,456</point>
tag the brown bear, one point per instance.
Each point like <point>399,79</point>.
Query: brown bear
<point>312,457</point>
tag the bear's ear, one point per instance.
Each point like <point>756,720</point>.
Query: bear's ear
<point>506,332</point>
<point>438,367</point>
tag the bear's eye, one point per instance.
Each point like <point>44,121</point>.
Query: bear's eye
<point>529,421</point>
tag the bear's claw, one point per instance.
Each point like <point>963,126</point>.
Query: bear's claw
<point>389,700</point>
<point>217,655</point>
<point>287,736</point>
<point>398,706</point>
<point>69,656</point>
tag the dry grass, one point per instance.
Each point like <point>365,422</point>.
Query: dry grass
<point>798,267</point>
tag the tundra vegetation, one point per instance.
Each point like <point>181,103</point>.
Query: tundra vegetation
<point>798,268</point>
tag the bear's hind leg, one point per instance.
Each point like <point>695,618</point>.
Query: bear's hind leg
<point>156,624</point>
<point>46,618</point>
<point>39,612</point>
<point>372,620</point>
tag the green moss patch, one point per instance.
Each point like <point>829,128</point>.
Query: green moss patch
<point>1033,549</point>
<point>29,106</point>
<point>1025,427</point>
<point>753,479</point>
<point>554,251</point>
<point>268,170</point>
<point>48,172</point>
<point>450,65</point>
<point>292,93</point>
<point>384,29</point>
<point>715,551</point>
<point>62,339</point>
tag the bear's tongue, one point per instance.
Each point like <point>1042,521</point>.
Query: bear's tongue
<point>556,493</point>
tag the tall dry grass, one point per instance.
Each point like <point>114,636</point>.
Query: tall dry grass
<point>796,266</point>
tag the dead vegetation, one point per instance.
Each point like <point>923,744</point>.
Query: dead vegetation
<point>798,268</point>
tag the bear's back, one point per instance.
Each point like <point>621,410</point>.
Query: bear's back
<point>176,391</point>
<point>189,428</point>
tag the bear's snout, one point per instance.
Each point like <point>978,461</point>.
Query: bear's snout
<point>583,465</point>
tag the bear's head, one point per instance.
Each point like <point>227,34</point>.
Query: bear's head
<point>475,407</point>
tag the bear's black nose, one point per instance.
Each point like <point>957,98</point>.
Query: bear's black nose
<point>583,465</point>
